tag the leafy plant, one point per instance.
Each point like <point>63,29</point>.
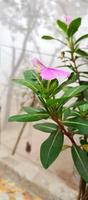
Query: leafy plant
<point>61,120</point>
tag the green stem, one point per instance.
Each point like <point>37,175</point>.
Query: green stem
<point>48,85</point>
<point>61,41</point>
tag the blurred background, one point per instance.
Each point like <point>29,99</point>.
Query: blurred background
<point>22,24</point>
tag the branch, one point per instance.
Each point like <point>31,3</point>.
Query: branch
<point>65,132</point>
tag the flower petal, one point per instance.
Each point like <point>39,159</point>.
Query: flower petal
<point>49,73</point>
<point>63,73</point>
<point>52,73</point>
<point>37,63</point>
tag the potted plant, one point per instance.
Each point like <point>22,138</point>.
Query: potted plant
<point>63,106</point>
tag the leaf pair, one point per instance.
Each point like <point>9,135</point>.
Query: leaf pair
<point>68,30</point>
<point>72,28</point>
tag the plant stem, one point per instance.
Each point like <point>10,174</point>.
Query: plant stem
<point>74,65</point>
<point>61,41</point>
<point>48,85</point>
<point>65,132</point>
<point>82,188</point>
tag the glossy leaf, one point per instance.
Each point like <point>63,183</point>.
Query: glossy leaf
<point>69,113</point>
<point>68,94</point>
<point>30,75</point>
<point>51,148</point>
<point>28,84</point>
<point>50,87</point>
<point>54,87</point>
<point>73,27</point>
<point>77,103</point>
<point>79,123</point>
<point>33,110</point>
<point>74,91</point>
<point>46,127</point>
<point>47,37</point>
<point>28,118</point>
<point>71,79</point>
<point>57,102</point>
<point>85,93</point>
<point>80,159</point>
<point>62,25</point>
<point>84,108</point>
<point>81,38</point>
<point>82,53</point>
<point>52,102</point>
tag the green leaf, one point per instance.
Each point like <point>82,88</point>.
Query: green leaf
<point>81,38</point>
<point>53,88</point>
<point>33,110</point>
<point>62,25</point>
<point>85,93</point>
<point>82,53</point>
<point>81,161</point>
<point>28,84</point>
<point>71,79</point>
<point>68,94</point>
<point>52,102</point>
<point>78,123</point>
<point>28,118</point>
<point>83,108</point>
<point>57,102</point>
<point>51,148</point>
<point>50,87</point>
<point>46,127</point>
<point>47,37</point>
<point>77,103</point>
<point>74,26</point>
<point>30,75</point>
<point>68,113</point>
<point>74,91</point>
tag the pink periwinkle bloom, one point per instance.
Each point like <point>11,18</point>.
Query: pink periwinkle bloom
<point>49,73</point>
<point>68,19</point>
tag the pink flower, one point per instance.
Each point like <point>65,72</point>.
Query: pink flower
<point>49,73</point>
<point>68,19</point>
